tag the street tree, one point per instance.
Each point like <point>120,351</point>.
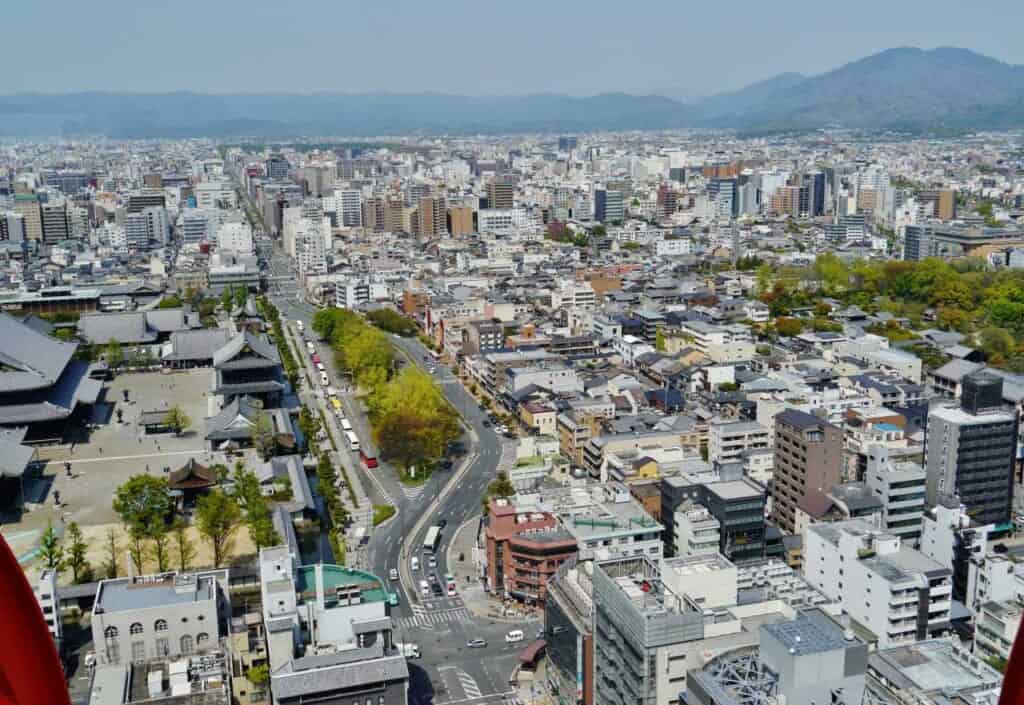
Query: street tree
<point>137,546</point>
<point>160,546</point>
<point>110,550</point>
<point>263,435</point>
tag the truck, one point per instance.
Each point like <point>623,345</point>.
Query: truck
<point>408,650</point>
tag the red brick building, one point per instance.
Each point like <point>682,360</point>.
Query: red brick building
<point>524,549</point>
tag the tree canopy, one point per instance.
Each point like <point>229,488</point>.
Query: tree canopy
<point>142,501</point>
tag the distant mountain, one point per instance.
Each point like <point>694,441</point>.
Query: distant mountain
<point>907,88</point>
<point>134,116</point>
<point>898,88</point>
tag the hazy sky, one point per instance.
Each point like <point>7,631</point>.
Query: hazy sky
<point>673,47</point>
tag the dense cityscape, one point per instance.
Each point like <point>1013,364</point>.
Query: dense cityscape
<point>647,417</point>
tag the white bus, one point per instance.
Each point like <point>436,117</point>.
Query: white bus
<point>353,440</point>
<point>433,538</point>
<point>299,324</point>
<point>346,424</point>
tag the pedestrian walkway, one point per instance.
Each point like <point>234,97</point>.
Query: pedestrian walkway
<point>421,618</point>
<point>414,492</point>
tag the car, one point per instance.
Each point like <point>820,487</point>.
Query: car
<point>452,591</point>
<point>393,574</point>
<point>432,562</point>
<point>487,424</point>
<point>437,590</point>
<point>414,563</point>
<point>476,643</point>
<point>442,523</point>
<point>446,464</point>
<point>393,599</point>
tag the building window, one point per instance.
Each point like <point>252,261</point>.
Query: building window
<point>110,632</point>
<point>113,652</point>
<point>163,647</point>
<point>136,628</point>
<point>202,638</point>
<point>160,625</point>
<point>138,651</point>
<point>186,644</point>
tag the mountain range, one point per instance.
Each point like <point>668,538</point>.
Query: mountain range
<point>904,89</point>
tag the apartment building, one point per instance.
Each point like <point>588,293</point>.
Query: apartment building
<point>897,593</point>
<point>808,462</point>
<point>728,441</point>
<point>697,531</point>
<point>900,485</point>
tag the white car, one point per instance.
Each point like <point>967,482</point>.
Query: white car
<point>393,574</point>
<point>432,563</point>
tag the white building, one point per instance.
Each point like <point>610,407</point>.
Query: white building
<point>349,203</point>
<point>235,236</point>
<point>697,532</point>
<point>896,592</point>
<point>673,247</point>
<point>630,347</point>
<point>900,485</point>
<point>45,591</point>
<point>727,441</point>
<point>996,628</point>
<point>498,219</point>
<point>353,294</point>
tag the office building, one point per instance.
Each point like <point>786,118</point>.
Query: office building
<point>609,206</point>
<point>375,214</point>
<point>147,228</point>
<point>723,193</point>
<point>524,549</point>
<point>27,206</point>
<point>501,194</point>
<point>808,461</point>
<point>896,593</point>
<point>235,236</point>
<point>567,143</point>
<point>736,503</point>
<point>56,221</point>
<point>159,616</point>
<point>814,182</point>
<point>943,202</point>
<point>12,227</point>
<point>918,243</point>
<point>146,198</point>
<point>970,450</point>
<point>276,167</point>
<point>350,208</point>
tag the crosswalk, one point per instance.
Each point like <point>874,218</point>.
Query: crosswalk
<point>468,683</point>
<point>424,619</point>
<point>413,493</point>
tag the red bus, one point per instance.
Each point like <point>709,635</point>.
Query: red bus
<point>368,460</point>
<point>315,359</point>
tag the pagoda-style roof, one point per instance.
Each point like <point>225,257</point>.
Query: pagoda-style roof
<point>192,476</point>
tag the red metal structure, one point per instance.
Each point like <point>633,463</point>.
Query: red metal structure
<point>30,669</point>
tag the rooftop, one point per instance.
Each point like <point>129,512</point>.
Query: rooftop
<point>147,591</point>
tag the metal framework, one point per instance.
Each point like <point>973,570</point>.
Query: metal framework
<point>744,679</point>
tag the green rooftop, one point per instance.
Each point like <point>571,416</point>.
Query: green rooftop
<point>334,576</point>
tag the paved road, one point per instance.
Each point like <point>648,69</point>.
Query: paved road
<point>449,672</point>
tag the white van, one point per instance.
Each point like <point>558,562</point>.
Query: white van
<point>514,636</point>
<point>324,379</point>
<point>320,366</point>
<point>425,589</point>
<point>345,424</point>
<point>414,563</point>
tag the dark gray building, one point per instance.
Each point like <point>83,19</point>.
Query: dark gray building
<point>970,451</point>
<point>737,504</point>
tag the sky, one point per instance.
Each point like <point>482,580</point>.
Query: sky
<point>678,48</point>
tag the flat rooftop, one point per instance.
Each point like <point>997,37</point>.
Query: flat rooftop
<point>144,592</point>
<point>736,489</point>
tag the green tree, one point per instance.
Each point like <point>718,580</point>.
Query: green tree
<point>263,435</point>
<point>113,354</point>
<point>255,507</point>
<point>110,549</point>
<point>996,342</point>
<point>177,419</point>
<point>259,676</point>
<point>499,487</point>
<point>218,518</point>
<point>184,551</point>
<point>160,548</point>
<point>659,340</point>
<point>225,300</point>
<point>76,551</point>
<point>51,550</point>
<point>137,546</point>
<point>788,327</point>
<point>142,500</point>
<point>240,295</point>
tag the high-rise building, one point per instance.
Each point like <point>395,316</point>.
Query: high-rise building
<point>786,201</point>
<point>723,191</point>
<point>350,208</point>
<point>501,194</point>
<point>375,214</point>
<point>808,461</point>
<point>276,167</point>
<point>145,198</point>
<point>12,227</point>
<point>814,182</point>
<point>460,220</point>
<point>432,217</point>
<point>27,205</point>
<point>943,201</point>
<point>567,143</point>
<point>609,206</point>
<point>56,221</point>
<point>666,201</point>
<point>970,451</point>
<point>148,228</point>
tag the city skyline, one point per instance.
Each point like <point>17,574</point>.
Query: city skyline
<point>231,48</point>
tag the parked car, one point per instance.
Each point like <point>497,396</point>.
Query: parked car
<point>476,643</point>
